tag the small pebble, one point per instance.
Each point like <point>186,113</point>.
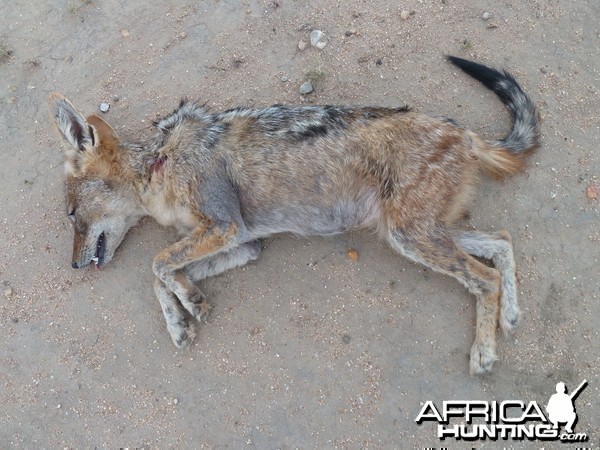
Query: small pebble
<point>486,16</point>
<point>183,35</point>
<point>175,401</point>
<point>125,33</point>
<point>592,192</point>
<point>8,293</point>
<point>302,45</point>
<point>350,32</point>
<point>284,78</point>
<point>318,39</point>
<point>104,107</point>
<point>543,70</point>
<point>346,339</point>
<point>405,15</point>
<point>353,255</point>
<point>306,88</point>
<point>379,61</point>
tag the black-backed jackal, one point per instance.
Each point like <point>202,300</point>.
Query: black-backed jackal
<point>226,180</point>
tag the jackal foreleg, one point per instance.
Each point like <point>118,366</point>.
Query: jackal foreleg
<point>201,244</point>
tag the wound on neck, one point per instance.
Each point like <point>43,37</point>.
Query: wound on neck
<point>156,164</point>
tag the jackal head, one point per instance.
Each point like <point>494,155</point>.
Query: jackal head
<point>102,202</point>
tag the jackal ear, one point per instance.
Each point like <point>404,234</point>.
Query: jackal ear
<point>100,131</point>
<point>70,122</point>
<point>75,129</point>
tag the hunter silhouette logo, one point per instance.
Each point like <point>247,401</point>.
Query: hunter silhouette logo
<point>510,419</point>
<point>560,406</point>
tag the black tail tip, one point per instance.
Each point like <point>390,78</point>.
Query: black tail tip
<point>455,59</point>
<point>486,75</point>
<point>471,67</point>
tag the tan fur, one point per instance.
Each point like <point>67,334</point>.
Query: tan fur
<point>497,162</point>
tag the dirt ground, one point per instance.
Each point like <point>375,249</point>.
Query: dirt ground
<point>305,348</point>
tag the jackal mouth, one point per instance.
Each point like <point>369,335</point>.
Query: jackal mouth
<point>98,258</point>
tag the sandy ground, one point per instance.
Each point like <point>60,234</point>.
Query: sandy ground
<point>304,348</point>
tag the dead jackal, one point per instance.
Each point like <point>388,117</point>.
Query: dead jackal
<point>225,180</point>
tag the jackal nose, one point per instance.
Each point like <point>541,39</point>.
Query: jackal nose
<point>74,265</point>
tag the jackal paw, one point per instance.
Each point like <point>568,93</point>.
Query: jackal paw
<point>482,358</point>
<point>254,248</point>
<point>509,317</point>
<point>504,234</point>
<point>201,310</point>
<point>197,305</point>
<point>182,333</point>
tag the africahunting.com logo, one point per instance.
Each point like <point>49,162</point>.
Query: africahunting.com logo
<point>510,419</point>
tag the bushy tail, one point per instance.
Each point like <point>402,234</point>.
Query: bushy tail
<point>505,156</point>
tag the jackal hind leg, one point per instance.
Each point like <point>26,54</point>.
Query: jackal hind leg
<point>496,247</point>
<point>438,251</point>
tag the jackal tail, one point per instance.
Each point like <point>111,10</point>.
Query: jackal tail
<point>505,156</point>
